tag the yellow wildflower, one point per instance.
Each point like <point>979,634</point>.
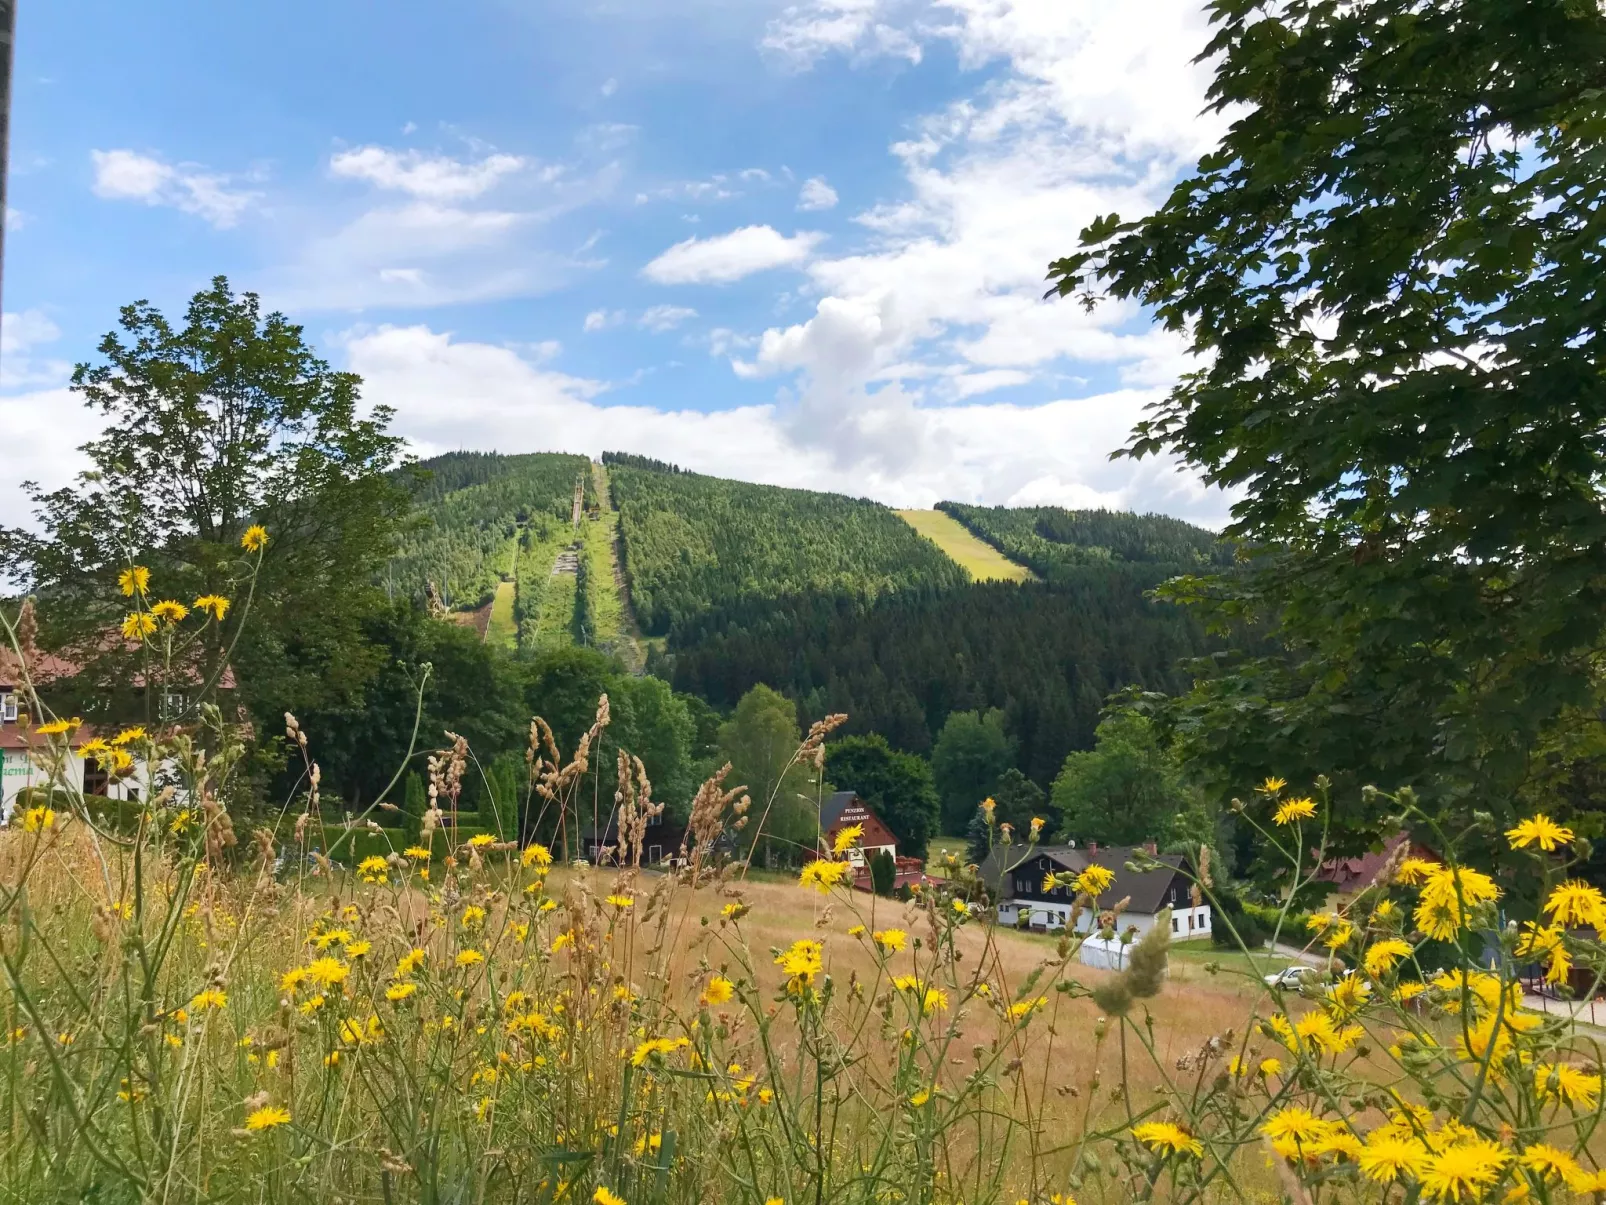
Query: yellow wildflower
<point>718,991</point>
<point>846,838</point>
<point>1576,903</point>
<point>620,901</point>
<point>1295,809</point>
<point>603,1197</point>
<point>268,1117</point>
<point>1382,955</point>
<point>128,736</point>
<point>372,869</point>
<point>1166,1138</point>
<point>1464,1170</point>
<point>1271,786</point>
<point>400,991</point>
<point>169,610</point>
<point>409,962</point>
<point>137,625</point>
<point>37,819</point>
<point>468,958</point>
<point>212,997</point>
<point>255,538</point>
<point>136,579</point>
<point>822,875</point>
<point>536,855</point>
<point>1095,880</point>
<point>214,604</point>
<point>1539,830</point>
<point>890,940</point>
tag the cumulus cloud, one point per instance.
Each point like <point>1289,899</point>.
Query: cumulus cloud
<point>450,393</point>
<point>816,194</point>
<point>1091,112</point>
<point>729,257</point>
<point>430,177</point>
<point>21,334</point>
<point>124,175</point>
<point>601,320</point>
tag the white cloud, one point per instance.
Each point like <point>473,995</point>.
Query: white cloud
<point>124,175</point>
<point>661,318</point>
<point>42,432</point>
<point>601,320</point>
<point>429,177</point>
<point>1089,112</point>
<point>816,194</point>
<point>728,257</point>
<point>450,394</point>
<point>804,33</point>
<point>20,334</point>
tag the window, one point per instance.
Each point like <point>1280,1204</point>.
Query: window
<point>655,854</point>
<point>8,708</point>
<point>1176,925</point>
<point>1190,922</point>
<point>172,705</point>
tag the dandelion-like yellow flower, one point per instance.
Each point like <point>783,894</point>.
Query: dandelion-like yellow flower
<point>327,972</point>
<point>1539,830</point>
<point>1095,880</point>
<point>1390,1155</point>
<point>1576,903</point>
<point>138,624</point>
<point>356,949</point>
<point>255,538</point>
<point>372,869</point>
<point>416,853</point>
<point>803,961</point>
<point>1568,1085</point>
<point>37,819</point>
<point>603,1197</point>
<point>536,855</point>
<point>1549,1162</point>
<point>1295,809</point>
<point>128,736</point>
<point>481,840</point>
<point>214,605</point>
<point>1025,1008</point>
<point>468,958</point>
<point>718,990</point>
<point>400,991</point>
<point>136,579</point>
<point>473,916</point>
<point>1463,1171</point>
<point>1382,955</point>
<point>1168,1139</point>
<point>1272,785</point>
<point>1294,1122</point>
<point>561,940</point>
<point>822,875</point>
<point>658,1046</point>
<point>891,940</point>
<point>212,997</point>
<point>169,610</point>
<point>58,727</point>
<point>409,962</point>
<point>267,1118</point>
<point>620,901</point>
<point>847,838</point>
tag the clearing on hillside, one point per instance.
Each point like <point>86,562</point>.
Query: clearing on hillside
<point>504,629</point>
<point>976,557</point>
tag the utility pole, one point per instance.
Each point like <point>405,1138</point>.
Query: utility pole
<point>8,37</point>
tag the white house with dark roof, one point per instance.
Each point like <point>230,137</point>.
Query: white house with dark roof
<point>1015,875</point>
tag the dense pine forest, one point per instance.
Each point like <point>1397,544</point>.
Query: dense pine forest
<point>476,512</point>
<point>1054,543</point>
<point>1045,654</point>
<point>693,542</point>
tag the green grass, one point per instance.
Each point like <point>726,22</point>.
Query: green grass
<point>939,846</point>
<point>503,629</point>
<point>981,560</point>
<point>555,626</point>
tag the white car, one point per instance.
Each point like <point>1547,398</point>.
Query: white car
<point>1291,977</point>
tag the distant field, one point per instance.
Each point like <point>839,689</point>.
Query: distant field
<point>981,560</point>
<point>503,629</point>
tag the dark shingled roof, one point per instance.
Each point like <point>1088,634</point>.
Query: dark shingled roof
<point>1147,889</point>
<point>832,808</point>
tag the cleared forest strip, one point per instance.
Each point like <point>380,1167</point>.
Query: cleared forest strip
<point>502,629</point>
<point>976,557</point>
<point>614,621</point>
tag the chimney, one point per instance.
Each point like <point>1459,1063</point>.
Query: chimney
<point>1150,848</point>
<point>1092,847</point>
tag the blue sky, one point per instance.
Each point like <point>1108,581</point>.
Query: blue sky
<point>796,243</point>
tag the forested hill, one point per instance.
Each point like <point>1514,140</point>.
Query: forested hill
<point>692,543</point>
<point>474,509</point>
<point>837,602</point>
<point>1053,542</point>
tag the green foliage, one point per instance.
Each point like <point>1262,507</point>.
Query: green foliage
<point>645,463</point>
<point>503,791</point>
<point>583,625</point>
<point>883,872</point>
<point>224,422</point>
<point>415,802</point>
<point>692,542</point>
<point>759,740</point>
<point>475,511</point>
<point>1019,801</point>
<point>971,751</point>
<point>663,735</point>
<point>1127,790</point>
<point>1389,272</point>
<point>1055,543</point>
<point>897,786</point>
